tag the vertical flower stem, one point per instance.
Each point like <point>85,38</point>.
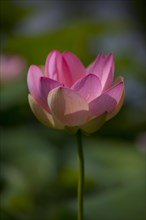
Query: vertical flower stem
<point>81,177</point>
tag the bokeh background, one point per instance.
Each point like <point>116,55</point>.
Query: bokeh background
<point>39,167</point>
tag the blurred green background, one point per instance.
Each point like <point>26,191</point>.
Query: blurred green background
<point>39,167</point>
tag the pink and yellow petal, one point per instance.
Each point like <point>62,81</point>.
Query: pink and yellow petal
<point>42,115</point>
<point>68,106</point>
<point>94,124</point>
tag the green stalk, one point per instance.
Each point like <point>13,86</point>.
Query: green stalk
<point>81,177</point>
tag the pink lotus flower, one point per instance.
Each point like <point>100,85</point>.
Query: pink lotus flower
<point>63,94</point>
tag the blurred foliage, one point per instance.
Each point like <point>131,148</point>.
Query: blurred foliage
<point>39,166</point>
<point>10,15</point>
<point>115,177</point>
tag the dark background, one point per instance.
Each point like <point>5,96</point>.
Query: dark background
<point>38,179</point>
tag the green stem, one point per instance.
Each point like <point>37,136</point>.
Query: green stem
<point>81,176</point>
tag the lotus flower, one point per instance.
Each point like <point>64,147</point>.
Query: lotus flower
<point>66,95</point>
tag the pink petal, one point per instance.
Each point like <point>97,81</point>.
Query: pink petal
<point>51,64</point>
<point>89,69</point>
<point>64,76</point>
<point>68,106</point>
<point>116,90</point>
<point>89,87</point>
<point>119,104</point>
<point>46,85</point>
<point>70,68</point>
<point>104,69</point>
<point>107,101</point>
<point>33,79</point>
<point>97,66</point>
<point>108,72</point>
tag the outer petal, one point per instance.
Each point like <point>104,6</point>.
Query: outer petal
<point>68,106</point>
<point>107,101</point>
<point>94,124</point>
<point>89,87</point>
<point>33,80</point>
<point>51,64</point>
<point>117,89</point>
<point>42,115</point>
<point>120,103</point>
<point>70,68</point>
<point>108,72</point>
<point>46,85</point>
